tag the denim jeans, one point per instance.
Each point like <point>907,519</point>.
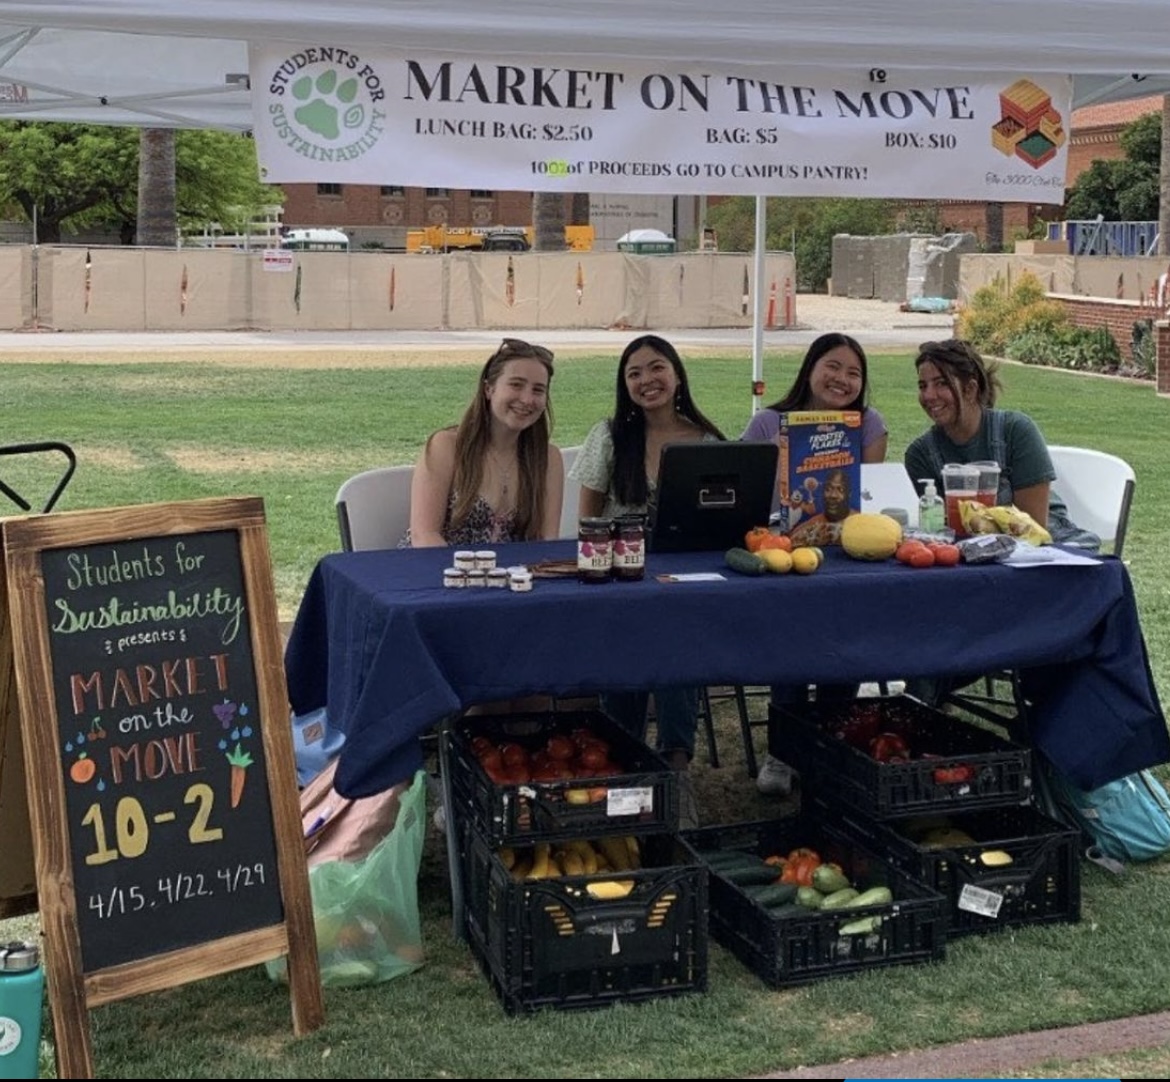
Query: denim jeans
<point>676,711</point>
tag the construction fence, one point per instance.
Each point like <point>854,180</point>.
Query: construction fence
<point>143,289</point>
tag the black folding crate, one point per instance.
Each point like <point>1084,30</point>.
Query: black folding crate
<point>952,764</point>
<point>552,943</point>
<point>791,945</point>
<point>633,791</point>
<point>998,868</point>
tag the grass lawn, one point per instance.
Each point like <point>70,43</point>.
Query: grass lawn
<point>146,432</point>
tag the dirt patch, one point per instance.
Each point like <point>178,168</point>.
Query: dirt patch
<point>203,459</point>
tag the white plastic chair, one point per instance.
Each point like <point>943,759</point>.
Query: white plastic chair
<point>569,504</point>
<point>373,508</point>
<point>1098,490</point>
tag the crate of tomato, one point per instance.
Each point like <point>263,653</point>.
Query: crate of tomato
<point>895,756</point>
<point>532,777</point>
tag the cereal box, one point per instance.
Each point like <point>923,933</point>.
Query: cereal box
<point>819,473</point>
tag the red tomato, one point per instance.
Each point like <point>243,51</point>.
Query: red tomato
<point>560,747</point>
<point>592,756</point>
<point>947,555</point>
<point>513,755</point>
<point>921,558</point>
<point>907,549</point>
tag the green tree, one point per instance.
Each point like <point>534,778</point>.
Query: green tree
<point>86,176</point>
<point>804,226</point>
<point>1125,189</point>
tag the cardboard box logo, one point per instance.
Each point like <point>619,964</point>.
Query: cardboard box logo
<point>819,473</point>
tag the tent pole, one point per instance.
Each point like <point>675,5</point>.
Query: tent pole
<point>758,306</point>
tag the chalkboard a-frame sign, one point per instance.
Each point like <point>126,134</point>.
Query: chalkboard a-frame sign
<point>159,768</point>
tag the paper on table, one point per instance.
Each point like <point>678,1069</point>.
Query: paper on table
<point>694,576</point>
<point>1025,555</point>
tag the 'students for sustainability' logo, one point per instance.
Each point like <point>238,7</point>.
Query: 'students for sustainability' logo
<point>326,104</point>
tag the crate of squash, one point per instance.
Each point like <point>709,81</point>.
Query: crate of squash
<point>796,900</point>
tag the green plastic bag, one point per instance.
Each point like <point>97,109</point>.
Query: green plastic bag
<point>366,910</point>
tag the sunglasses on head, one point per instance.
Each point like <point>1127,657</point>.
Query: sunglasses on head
<point>517,347</point>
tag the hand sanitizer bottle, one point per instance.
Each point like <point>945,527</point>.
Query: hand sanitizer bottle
<point>931,512</point>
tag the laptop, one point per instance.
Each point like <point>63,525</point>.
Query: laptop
<point>887,484</point>
<point>711,493</point>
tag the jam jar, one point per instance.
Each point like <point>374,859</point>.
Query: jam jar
<point>629,548</point>
<point>594,550</point>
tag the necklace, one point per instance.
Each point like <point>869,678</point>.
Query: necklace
<point>505,473</point>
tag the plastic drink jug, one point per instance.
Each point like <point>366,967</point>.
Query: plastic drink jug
<point>22,985</point>
<point>960,482</point>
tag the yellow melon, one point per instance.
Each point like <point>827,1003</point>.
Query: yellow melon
<point>868,536</point>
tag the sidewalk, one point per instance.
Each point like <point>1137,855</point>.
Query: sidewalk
<point>989,1058</point>
<point>876,325</point>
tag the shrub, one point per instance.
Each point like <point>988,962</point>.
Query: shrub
<point>998,314</point>
<point>1143,348</point>
<point>1088,350</point>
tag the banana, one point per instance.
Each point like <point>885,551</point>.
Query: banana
<point>617,852</point>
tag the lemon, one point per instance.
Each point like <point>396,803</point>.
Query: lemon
<point>776,560</point>
<point>805,561</point>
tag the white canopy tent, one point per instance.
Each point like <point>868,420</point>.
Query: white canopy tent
<point>164,63</point>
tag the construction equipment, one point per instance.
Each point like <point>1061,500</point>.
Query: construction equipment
<point>497,238</point>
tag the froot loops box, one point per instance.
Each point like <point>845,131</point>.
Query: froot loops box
<point>819,473</point>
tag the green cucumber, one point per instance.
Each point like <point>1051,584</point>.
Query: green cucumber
<point>746,563</point>
<point>749,876</point>
<point>772,894</point>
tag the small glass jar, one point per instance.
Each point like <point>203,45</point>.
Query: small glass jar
<point>595,550</point>
<point>497,577</point>
<point>454,578</point>
<point>520,580</point>
<point>465,560</point>
<point>475,577</point>
<point>629,548</point>
<point>485,560</point>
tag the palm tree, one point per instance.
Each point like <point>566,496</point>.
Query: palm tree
<point>1164,182</point>
<point>548,221</point>
<point>157,220</point>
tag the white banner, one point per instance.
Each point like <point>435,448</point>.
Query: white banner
<point>348,115</point>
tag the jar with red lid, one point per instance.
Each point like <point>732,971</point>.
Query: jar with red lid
<point>594,550</point>
<point>629,548</point>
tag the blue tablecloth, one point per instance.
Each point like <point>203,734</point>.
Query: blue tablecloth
<point>392,652</point>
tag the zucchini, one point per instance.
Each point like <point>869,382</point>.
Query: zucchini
<point>772,894</point>
<point>809,897</point>
<point>829,880</point>
<point>750,876</point>
<point>746,563</point>
<point>839,898</point>
<point>873,896</point>
<point>861,926</point>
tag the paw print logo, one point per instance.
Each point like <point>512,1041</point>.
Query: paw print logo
<point>329,104</point>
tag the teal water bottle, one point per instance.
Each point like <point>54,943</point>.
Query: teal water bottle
<point>22,986</point>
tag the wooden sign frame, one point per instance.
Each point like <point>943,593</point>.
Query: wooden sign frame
<point>28,544</point>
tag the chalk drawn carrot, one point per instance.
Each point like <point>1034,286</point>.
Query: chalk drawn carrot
<point>240,761</point>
